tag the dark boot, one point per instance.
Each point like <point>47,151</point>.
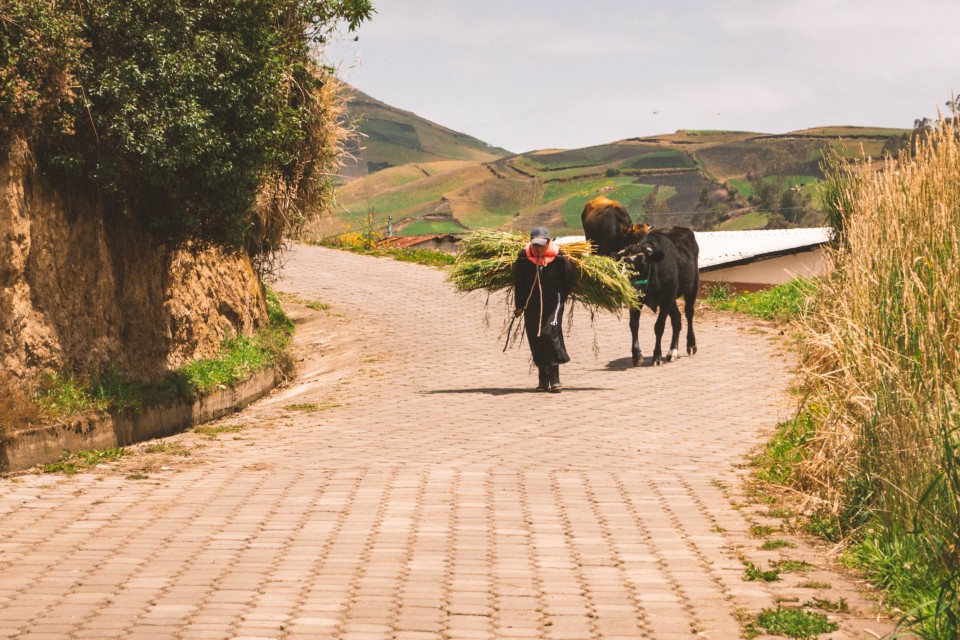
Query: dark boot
<point>544,380</point>
<point>555,385</point>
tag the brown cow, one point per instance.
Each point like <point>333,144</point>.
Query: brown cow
<point>607,225</point>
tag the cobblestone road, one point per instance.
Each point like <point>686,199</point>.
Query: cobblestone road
<point>410,485</point>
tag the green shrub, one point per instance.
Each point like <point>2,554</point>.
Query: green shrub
<point>190,111</point>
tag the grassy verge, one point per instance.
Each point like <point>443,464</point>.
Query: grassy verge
<point>781,303</point>
<point>61,395</point>
<point>878,441</point>
<point>242,356</point>
<point>366,244</point>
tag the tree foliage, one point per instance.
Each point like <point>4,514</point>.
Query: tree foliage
<point>187,110</point>
<point>39,46</point>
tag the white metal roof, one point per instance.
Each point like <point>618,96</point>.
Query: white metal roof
<point>719,248</point>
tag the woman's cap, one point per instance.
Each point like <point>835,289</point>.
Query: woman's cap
<point>539,235</point>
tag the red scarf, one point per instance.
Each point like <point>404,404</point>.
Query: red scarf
<point>546,258</point>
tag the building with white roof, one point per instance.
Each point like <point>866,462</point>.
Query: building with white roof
<point>757,259</point>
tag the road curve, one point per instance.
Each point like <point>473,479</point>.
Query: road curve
<point>411,485</point>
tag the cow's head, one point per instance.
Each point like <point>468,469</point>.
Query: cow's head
<point>633,233</point>
<point>640,255</point>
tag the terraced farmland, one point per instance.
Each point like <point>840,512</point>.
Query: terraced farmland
<point>458,182</point>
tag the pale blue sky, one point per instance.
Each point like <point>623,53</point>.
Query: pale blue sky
<point>536,74</point>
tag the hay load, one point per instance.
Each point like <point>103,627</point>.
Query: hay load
<point>486,264</point>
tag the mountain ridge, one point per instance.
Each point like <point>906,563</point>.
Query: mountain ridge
<point>431,179</point>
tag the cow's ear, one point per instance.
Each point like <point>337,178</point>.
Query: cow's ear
<point>656,256</point>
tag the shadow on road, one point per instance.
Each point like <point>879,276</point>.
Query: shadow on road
<point>500,391</point>
<point>622,364</point>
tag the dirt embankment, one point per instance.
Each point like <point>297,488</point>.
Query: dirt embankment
<point>81,294</point>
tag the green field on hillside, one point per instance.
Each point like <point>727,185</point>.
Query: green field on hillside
<point>481,189</point>
<point>624,191</point>
<point>752,220</point>
<point>589,156</point>
<point>432,227</point>
<point>661,160</point>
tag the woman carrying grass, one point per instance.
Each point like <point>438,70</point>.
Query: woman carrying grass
<point>543,278</point>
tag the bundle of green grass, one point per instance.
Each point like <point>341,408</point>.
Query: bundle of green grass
<point>486,264</point>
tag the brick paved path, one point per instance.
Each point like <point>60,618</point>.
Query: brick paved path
<point>411,485</point>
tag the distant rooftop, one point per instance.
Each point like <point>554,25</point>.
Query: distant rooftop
<point>726,248</point>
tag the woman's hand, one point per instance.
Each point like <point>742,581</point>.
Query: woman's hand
<point>517,312</point>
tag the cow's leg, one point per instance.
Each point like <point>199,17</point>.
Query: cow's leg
<point>634,333</point>
<point>658,327</point>
<point>688,304</point>
<point>675,335</point>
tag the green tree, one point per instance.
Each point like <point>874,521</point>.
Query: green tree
<point>190,109</point>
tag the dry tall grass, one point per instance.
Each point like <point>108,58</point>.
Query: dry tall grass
<point>881,353</point>
<point>16,407</point>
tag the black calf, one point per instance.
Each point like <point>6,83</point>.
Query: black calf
<point>665,265</point>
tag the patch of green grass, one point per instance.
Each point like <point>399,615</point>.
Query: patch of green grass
<point>782,303</point>
<point>753,573</point>
<point>427,257</point>
<point>242,356</point>
<point>762,530</point>
<point>745,222</point>
<point>900,565</point>
<point>431,227</point>
<point>770,545</point>
<point>311,407</point>
<point>813,584</point>
<point>64,394</point>
<point>787,448</point>
<point>170,448</point>
<point>824,524</point>
<point>743,186</point>
<point>73,462</point>
<point>840,605</point>
<point>214,431</point>
<point>793,623</point>
<point>793,566</point>
<point>317,306</point>
<point>138,476</point>
<point>303,406</point>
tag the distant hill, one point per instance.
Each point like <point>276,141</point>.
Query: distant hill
<point>392,137</point>
<point>430,179</point>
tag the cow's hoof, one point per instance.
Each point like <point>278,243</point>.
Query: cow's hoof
<point>657,362</point>
<point>636,361</point>
<point>691,349</point>
<point>673,355</point>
